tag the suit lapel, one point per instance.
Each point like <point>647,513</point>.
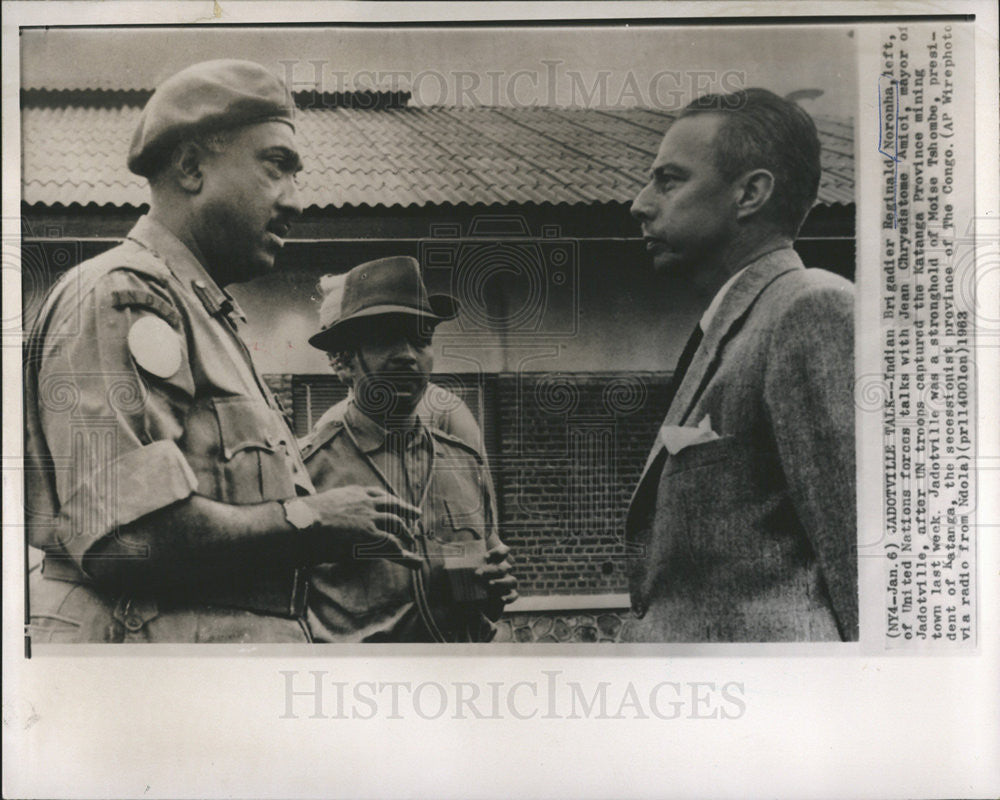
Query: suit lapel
<point>735,307</point>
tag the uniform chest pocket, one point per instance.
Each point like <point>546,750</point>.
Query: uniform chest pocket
<point>457,521</point>
<point>454,534</point>
<point>254,441</point>
<point>455,549</point>
<point>457,500</point>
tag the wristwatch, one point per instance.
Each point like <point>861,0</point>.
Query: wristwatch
<point>300,514</point>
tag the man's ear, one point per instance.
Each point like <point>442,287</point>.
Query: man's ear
<point>187,162</point>
<point>756,190</point>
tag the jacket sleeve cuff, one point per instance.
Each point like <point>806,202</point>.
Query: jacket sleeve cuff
<point>135,484</point>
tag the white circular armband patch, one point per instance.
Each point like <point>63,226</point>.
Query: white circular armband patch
<point>155,346</point>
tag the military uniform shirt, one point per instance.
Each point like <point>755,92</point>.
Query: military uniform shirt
<point>402,455</point>
<point>371,599</point>
<point>140,393</point>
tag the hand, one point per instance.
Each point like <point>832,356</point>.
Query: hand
<point>500,584</point>
<point>361,522</point>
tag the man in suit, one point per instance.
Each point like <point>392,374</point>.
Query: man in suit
<point>745,513</point>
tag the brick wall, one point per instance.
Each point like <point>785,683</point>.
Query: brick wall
<point>565,451</point>
<point>571,448</point>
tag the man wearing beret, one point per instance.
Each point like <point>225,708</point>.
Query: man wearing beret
<point>379,333</point>
<point>746,508</point>
<point>163,484</point>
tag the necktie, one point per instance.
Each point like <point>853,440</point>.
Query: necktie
<point>686,356</point>
<point>640,513</point>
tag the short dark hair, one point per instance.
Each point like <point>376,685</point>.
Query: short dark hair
<point>762,130</point>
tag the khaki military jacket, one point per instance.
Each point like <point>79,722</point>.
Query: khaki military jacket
<point>139,393</point>
<point>370,599</point>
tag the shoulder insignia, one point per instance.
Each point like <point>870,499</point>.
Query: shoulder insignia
<point>334,413</point>
<point>155,346</point>
<point>319,436</point>
<point>130,256</point>
<point>139,299</point>
<point>454,440</point>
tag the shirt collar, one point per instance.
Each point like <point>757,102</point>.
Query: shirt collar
<point>184,265</point>
<point>713,307</point>
<point>371,436</point>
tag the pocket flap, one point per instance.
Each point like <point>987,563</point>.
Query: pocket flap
<point>466,518</point>
<point>246,423</point>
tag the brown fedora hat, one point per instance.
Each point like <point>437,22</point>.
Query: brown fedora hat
<point>386,286</point>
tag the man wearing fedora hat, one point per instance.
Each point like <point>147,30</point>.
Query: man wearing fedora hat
<point>379,330</point>
<point>163,484</point>
<point>438,406</point>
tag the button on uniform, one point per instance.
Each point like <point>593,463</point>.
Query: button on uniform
<point>133,623</point>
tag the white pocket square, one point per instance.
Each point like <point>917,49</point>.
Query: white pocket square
<point>677,437</point>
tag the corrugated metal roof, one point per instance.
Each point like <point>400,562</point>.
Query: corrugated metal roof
<point>404,156</point>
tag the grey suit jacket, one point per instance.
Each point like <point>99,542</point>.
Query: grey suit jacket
<point>752,537</point>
